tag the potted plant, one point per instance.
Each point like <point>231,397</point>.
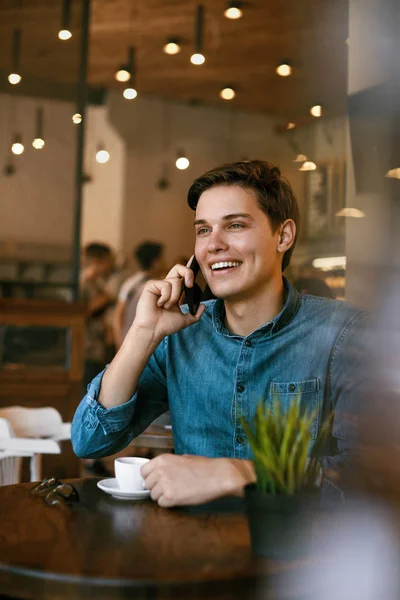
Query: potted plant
<point>281,503</point>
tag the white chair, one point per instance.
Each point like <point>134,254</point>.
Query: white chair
<point>28,432</point>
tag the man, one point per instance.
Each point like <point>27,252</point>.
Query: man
<point>260,339</point>
<point>150,257</point>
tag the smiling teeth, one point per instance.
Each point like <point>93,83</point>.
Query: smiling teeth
<point>224,265</point>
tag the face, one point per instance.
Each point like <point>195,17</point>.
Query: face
<point>235,245</point>
<point>101,266</point>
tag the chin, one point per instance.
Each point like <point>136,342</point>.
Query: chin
<point>225,293</point>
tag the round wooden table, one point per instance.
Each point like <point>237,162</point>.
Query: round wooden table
<point>105,548</point>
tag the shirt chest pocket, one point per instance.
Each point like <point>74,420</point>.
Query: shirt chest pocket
<point>309,390</point>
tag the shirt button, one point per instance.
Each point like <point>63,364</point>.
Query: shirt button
<point>248,343</point>
<point>292,387</point>
<point>240,388</point>
<point>239,439</point>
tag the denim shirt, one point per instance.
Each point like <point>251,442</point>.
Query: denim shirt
<point>207,377</point>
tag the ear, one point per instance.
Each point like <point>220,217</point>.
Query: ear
<point>286,235</point>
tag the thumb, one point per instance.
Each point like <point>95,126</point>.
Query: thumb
<point>191,319</point>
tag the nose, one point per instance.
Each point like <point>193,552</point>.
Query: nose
<point>217,242</point>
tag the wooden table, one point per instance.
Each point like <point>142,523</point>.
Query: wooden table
<point>105,548</point>
<point>156,437</point>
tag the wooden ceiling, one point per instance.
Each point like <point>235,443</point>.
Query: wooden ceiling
<point>311,34</point>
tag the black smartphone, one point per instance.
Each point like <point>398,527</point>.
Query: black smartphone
<point>193,295</point>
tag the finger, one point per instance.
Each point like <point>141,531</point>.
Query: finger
<point>176,292</point>
<point>166,502</point>
<point>165,290</point>
<point>148,467</point>
<point>156,492</point>
<point>191,319</point>
<point>181,272</point>
<point>151,480</point>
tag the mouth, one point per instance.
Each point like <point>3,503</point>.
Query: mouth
<point>223,267</point>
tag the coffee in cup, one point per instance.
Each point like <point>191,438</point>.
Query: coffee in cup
<point>127,473</point>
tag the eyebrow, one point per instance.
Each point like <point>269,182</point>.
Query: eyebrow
<point>227,218</point>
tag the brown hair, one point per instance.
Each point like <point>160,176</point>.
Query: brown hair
<point>274,193</point>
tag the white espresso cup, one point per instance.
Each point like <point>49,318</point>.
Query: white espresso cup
<point>127,473</point>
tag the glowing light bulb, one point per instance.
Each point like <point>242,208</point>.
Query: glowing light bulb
<point>182,163</point>
<point>14,78</point>
<point>227,93</point>
<point>197,59</point>
<point>308,166</point>
<point>77,118</point>
<point>233,12</point>
<point>284,70</point>
<point>102,156</point>
<point>17,148</point>
<point>316,110</point>
<point>122,75</point>
<point>172,48</point>
<point>64,34</point>
<point>38,143</point>
<point>290,125</point>
<point>129,93</point>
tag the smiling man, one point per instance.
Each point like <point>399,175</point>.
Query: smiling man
<point>260,339</point>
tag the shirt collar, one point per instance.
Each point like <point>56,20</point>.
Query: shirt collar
<point>287,313</point>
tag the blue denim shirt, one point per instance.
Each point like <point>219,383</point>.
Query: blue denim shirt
<point>207,377</point>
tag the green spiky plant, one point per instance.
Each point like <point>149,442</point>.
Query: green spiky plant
<point>280,442</point>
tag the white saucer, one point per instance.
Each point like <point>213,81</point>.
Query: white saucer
<point>110,486</point>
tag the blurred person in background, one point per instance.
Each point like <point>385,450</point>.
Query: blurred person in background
<point>150,258</point>
<point>99,285</point>
<point>314,287</point>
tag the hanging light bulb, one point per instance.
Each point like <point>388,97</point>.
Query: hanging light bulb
<point>227,93</point>
<point>316,110</point>
<point>284,70</point>
<point>182,162</point>
<point>124,73</point>
<point>15,77</point>
<point>65,31</point>
<point>77,118</point>
<point>172,46</point>
<point>17,146</point>
<point>308,165</point>
<point>102,156</point>
<point>300,158</point>
<point>129,93</point>
<point>39,143</point>
<point>233,10</point>
<point>393,173</point>
<point>198,57</point>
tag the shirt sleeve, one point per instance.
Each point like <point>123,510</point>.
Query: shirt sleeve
<point>97,431</point>
<point>346,381</point>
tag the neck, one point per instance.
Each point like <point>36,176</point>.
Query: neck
<point>244,316</point>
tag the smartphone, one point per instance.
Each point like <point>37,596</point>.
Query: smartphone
<point>193,295</point>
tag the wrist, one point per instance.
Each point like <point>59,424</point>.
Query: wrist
<point>235,474</point>
<point>144,336</point>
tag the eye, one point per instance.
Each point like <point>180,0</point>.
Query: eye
<point>202,230</point>
<point>236,226</point>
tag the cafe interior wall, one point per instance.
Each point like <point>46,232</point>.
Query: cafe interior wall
<point>37,200</point>
<point>123,202</point>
